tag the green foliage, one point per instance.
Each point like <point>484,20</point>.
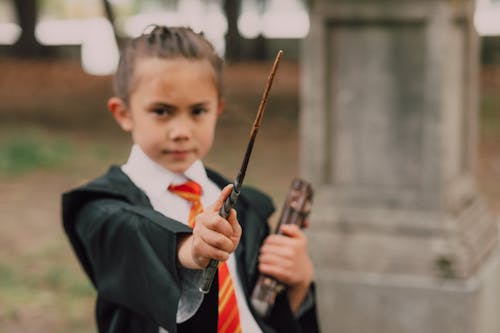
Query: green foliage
<point>6,276</point>
<point>490,113</point>
<point>20,154</point>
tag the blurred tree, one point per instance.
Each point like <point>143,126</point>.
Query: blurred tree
<point>233,37</point>
<point>110,15</point>
<point>27,14</point>
<point>259,45</point>
<point>234,40</point>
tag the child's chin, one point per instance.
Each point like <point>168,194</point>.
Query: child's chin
<point>178,167</point>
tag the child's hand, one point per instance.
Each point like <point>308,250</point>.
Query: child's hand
<point>213,236</point>
<point>286,259</point>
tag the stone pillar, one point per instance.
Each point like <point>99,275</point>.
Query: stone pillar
<point>401,239</point>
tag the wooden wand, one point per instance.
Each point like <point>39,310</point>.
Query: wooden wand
<point>209,272</point>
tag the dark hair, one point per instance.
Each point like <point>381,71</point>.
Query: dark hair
<point>164,42</point>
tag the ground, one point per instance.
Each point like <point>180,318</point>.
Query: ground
<point>55,133</point>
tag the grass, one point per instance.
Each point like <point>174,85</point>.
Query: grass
<point>47,285</point>
<point>20,154</point>
<point>42,287</point>
<point>490,113</point>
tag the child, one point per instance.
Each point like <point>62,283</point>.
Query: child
<point>144,243</point>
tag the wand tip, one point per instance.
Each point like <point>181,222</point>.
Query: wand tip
<point>276,61</point>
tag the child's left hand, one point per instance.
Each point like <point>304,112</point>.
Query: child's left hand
<point>285,258</point>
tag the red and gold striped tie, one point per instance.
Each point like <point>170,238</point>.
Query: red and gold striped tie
<point>229,318</point>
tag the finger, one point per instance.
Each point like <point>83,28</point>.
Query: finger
<point>217,240</point>
<point>213,221</point>
<point>226,191</point>
<point>282,240</point>
<point>279,251</point>
<point>204,250</point>
<point>277,272</point>
<point>276,261</point>
<point>235,225</point>
<point>291,230</point>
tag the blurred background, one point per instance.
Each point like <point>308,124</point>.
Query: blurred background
<point>56,62</point>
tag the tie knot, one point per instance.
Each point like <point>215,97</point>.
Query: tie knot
<point>190,190</point>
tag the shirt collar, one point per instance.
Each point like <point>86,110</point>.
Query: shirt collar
<point>154,179</point>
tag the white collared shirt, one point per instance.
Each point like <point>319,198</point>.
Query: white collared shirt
<point>154,180</point>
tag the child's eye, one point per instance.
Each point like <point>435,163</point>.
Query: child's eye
<point>161,111</point>
<point>198,111</point>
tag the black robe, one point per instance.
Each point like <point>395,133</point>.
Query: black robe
<point>128,250</point>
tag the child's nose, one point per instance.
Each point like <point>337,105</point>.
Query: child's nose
<point>180,129</point>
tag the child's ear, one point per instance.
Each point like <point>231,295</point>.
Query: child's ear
<point>220,107</point>
<point>119,110</point>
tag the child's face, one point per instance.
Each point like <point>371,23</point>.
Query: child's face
<point>173,110</point>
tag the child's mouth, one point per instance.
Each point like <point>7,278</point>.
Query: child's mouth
<point>179,154</point>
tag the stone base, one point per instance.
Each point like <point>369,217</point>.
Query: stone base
<point>451,243</point>
<point>369,303</point>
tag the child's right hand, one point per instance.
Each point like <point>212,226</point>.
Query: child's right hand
<point>213,237</point>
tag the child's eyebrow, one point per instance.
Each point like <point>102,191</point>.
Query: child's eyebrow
<point>200,104</point>
<point>172,107</point>
<point>163,105</point>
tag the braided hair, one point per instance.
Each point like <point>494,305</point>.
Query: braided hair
<point>166,43</point>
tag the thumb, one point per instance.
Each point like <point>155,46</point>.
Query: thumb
<point>226,191</point>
